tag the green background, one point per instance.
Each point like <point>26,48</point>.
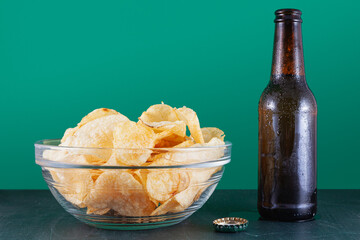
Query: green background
<point>61,59</point>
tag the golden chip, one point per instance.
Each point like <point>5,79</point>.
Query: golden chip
<point>166,207</point>
<point>190,118</point>
<point>85,159</point>
<point>206,154</point>
<point>141,176</point>
<point>64,156</point>
<point>73,184</point>
<point>168,139</point>
<point>167,143</point>
<point>163,121</point>
<point>135,138</point>
<point>96,134</point>
<point>54,155</point>
<point>95,173</point>
<point>185,144</point>
<point>97,113</point>
<point>189,195</point>
<point>178,127</point>
<point>96,211</point>
<point>161,184</point>
<point>211,132</point>
<point>178,203</point>
<point>174,143</point>
<point>120,191</point>
<point>159,113</point>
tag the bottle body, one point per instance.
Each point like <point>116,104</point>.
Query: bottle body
<point>287,130</point>
<point>287,151</point>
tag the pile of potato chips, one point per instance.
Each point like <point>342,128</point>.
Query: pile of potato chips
<point>107,138</point>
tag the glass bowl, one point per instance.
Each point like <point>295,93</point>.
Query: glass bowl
<point>161,192</point>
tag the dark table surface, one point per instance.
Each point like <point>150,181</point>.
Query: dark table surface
<point>35,214</point>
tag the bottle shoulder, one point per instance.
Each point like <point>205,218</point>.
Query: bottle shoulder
<point>296,97</point>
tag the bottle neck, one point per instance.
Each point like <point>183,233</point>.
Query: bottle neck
<point>288,57</point>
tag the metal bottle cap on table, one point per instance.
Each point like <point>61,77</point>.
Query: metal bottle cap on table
<point>230,224</point>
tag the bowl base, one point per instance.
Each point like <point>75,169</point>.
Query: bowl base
<point>133,223</point>
<point>131,226</point>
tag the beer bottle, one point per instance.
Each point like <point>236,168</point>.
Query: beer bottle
<point>287,130</point>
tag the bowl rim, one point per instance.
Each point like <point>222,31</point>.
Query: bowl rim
<point>58,164</point>
<point>40,144</point>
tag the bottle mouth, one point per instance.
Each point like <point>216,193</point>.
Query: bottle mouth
<point>292,15</point>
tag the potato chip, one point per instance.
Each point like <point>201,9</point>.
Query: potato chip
<point>169,133</point>
<point>174,157</point>
<point>164,120</point>
<point>190,118</point>
<point>161,184</point>
<point>211,132</point>
<point>167,144</point>
<point>54,155</point>
<point>167,139</point>
<point>201,175</point>
<point>206,154</point>
<point>177,127</point>
<point>85,159</point>
<point>174,143</point>
<point>96,134</point>
<point>136,139</point>
<point>120,191</point>
<point>141,176</point>
<point>96,211</point>
<point>214,142</point>
<point>161,159</point>
<point>69,132</point>
<point>159,113</point>
<point>97,113</point>
<point>95,173</point>
<point>64,156</point>
<point>166,207</point>
<point>186,197</point>
<point>177,203</point>
<point>171,158</point>
<point>73,184</point>
<point>185,144</point>
<point>185,180</point>
<point>198,177</point>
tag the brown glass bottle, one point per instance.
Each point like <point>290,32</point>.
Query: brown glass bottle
<point>287,130</point>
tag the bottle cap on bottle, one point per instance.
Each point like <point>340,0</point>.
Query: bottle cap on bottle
<point>230,224</point>
<point>283,15</point>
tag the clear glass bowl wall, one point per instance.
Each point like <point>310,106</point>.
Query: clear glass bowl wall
<point>107,195</point>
